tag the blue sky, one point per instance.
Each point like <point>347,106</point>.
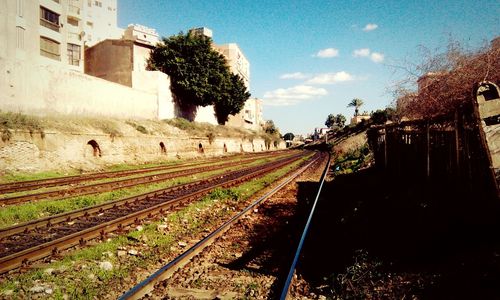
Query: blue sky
<point>310,58</point>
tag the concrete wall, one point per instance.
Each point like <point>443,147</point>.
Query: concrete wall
<point>157,83</point>
<point>56,150</point>
<point>206,114</point>
<point>44,90</point>
<point>111,60</point>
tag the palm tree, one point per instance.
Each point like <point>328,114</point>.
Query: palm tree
<point>356,103</point>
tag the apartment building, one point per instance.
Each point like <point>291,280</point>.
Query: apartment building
<point>53,32</point>
<point>100,21</point>
<point>238,63</point>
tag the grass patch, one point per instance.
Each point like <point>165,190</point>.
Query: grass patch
<point>138,127</point>
<point>78,274</point>
<point>15,214</point>
<point>208,130</point>
<point>10,120</point>
<point>351,161</point>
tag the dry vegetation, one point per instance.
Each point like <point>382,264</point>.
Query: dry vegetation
<point>453,74</point>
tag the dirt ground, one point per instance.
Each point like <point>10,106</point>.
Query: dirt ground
<point>246,262</point>
<point>380,238</point>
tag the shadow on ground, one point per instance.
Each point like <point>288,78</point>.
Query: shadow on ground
<point>376,238</point>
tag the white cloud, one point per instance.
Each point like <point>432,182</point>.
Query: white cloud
<point>331,78</point>
<point>296,75</point>
<point>377,57</point>
<point>370,27</point>
<point>327,53</point>
<point>293,95</point>
<point>361,52</point>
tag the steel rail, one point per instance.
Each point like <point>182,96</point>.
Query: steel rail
<point>40,251</point>
<point>71,215</point>
<point>286,286</point>
<point>28,185</point>
<point>122,183</point>
<point>147,285</point>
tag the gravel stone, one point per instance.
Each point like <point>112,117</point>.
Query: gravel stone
<point>106,266</point>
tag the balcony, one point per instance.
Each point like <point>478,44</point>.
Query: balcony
<point>49,25</point>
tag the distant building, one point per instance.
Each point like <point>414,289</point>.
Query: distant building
<point>249,117</point>
<point>202,31</point>
<point>99,20</point>
<point>359,118</point>
<point>237,62</point>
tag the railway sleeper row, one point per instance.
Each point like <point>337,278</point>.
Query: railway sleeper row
<point>107,186</point>
<point>148,285</point>
<point>32,252</point>
<point>57,181</point>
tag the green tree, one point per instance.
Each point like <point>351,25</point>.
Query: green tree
<point>356,103</point>
<point>270,128</point>
<point>231,99</point>
<point>288,136</point>
<point>335,120</point>
<point>380,116</point>
<point>199,76</point>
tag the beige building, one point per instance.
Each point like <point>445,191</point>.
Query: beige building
<point>54,32</point>
<point>43,32</point>
<point>250,117</point>
<point>100,21</point>
<point>238,63</point>
<point>42,64</point>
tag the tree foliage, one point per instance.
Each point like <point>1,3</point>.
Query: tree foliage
<point>270,128</point>
<point>199,76</point>
<point>446,79</point>
<point>288,136</point>
<point>232,99</point>
<point>380,116</point>
<point>335,121</point>
<point>356,103</point>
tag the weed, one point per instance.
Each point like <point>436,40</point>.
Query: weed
<point>6,135</point>
<point>138,127</point>
<point>211,137</point>
<point>82,266</point>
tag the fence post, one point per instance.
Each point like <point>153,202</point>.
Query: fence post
<point>428,150</point>
<point>457,144</point>
<point>385,148</point>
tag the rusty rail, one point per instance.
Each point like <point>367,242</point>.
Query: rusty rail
<point>147,285</point>
<point>157,204</point>
<point>29,185</point>
<point>123,183</point>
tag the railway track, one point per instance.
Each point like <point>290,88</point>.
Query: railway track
<point>147,286</point>
<point>28,185</point>
<point>32,241</point>
<point>124,183</point>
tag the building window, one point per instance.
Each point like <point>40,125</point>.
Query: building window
<point>89,3</point>
<point>90,24</point>
<point>20,8</point>
<point>73,54</point>
<point>49,19</point>
<point>49,48</point>
<point>98,3</point>
<point>19,37</point>
<point>73,22</point>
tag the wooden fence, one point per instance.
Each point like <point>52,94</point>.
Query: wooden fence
<point>440,151</point>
